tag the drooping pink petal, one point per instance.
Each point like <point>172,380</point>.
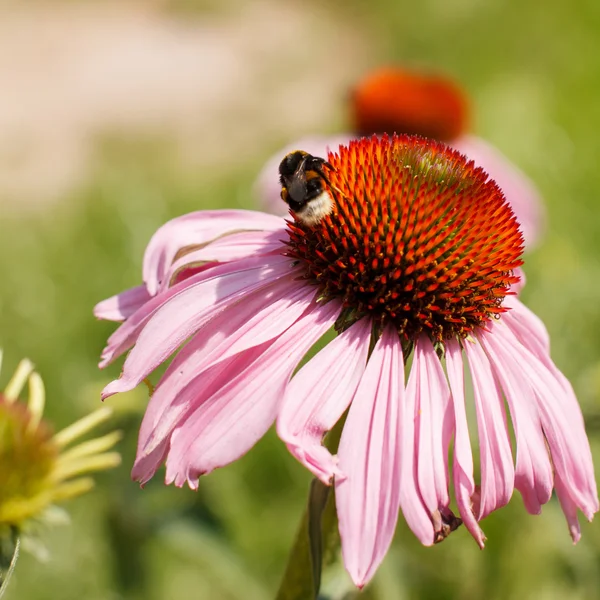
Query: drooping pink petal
<point>533,473</point>
<point>267,188</point>
<point>569,508</point>
<point>319,394</point>
<point>190,397</point>
<point>234,246</point>
<point>126,335</point>
<point>532,334</point>
<point>433,426</point>
<point>144,469</point>
<point>415,512</point>
<point>184,312</point>
<point>497,469</point>
<point>260,317</point>
<point>518,189</point>
<point>225,425</point>
<point>527,326</point>
<point>368,498</point>
<point>462,469</point>
<point>123,305</point>
<point>561,420</point>
<point>196,229</point>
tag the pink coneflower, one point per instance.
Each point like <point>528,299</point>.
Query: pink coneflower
<point>418,257</point>
<point>395,100</point>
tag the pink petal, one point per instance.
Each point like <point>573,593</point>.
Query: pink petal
<point>518,189</point>
<point>462,470</point>
<point>532,334</point>
<point>417,516</point>
<point>150,457</point>
<point>561,420</point>
<point>433,425</point>
<point>569,508</point>
<point>126,335</point>
<point>368,499</point>
<point>228,422</point>
<point>183,313</point>
<point>185,272</point>
<point>533,474</point>
<point>123,305</point>
<point>196,229</point>
<point>261,317</point>
<point>527,326</point>
<point>267,188</point>
<point>145,468</point>
<point>497,470</point>
<point>319,394</point>
<point>234,246</point>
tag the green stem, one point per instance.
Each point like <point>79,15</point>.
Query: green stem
<point>9,553</point>
<point>317,540</point>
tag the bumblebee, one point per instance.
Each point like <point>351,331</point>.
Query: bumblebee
<point>302,186</point>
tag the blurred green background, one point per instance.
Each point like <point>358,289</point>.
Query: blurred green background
<point>115,117</point>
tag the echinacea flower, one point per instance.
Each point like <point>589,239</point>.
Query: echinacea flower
<point>37,467</point>
<point>394,100</point>
<point>420,256</point>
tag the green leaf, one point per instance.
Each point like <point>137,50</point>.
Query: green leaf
<point>9,553</point>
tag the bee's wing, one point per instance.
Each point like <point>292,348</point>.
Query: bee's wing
<point>297,187</point>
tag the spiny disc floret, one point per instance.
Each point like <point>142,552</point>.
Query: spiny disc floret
<point>419,238</point>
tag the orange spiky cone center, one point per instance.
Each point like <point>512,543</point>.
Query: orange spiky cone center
<point>395,100</point>
<point>419,238</point>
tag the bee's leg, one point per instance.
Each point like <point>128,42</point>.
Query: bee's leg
<point>331,186</point>
<point>325,178</point>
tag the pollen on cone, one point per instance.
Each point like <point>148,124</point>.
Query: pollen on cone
<point>419,238</point>
<point>396,100</point>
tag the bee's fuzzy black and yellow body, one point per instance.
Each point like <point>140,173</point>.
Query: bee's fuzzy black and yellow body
<point>302,186</point>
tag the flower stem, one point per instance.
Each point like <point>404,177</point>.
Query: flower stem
<point>317,540</point>
<point>9,553</point>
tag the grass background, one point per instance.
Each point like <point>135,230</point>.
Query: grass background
<point>533,72</point>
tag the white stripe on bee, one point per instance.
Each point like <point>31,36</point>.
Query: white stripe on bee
<point>315,210</point>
